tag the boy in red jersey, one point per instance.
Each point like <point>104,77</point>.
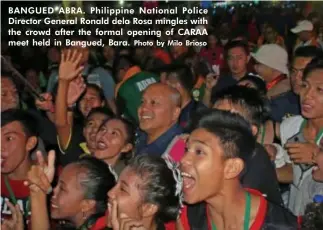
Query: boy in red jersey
<point>18,139</point>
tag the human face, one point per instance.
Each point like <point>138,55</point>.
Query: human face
<point>91,128</point>
<point>15,146</point>
<point>33,78</point>
<point>89,101</point>
<point>202,167</point>
<point>270,34</point>
<point>297,70</point>
<point>127,194</point>
<point>264,71</point>
<point>68,194</point>
<point>111,140</point>
<point>9,95</point>
<point>237,60</point>
<point>311,95</point>
<point>157,111</point>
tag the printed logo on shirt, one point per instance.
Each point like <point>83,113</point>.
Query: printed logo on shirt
<point>142,85</point>
<point>24,205</point>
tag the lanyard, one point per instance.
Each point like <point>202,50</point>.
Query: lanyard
<point>246,213</point>
<point>13,199</point>
<point>263,133</point>
<point>275,81</point>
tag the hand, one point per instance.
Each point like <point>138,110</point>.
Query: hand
<point>69,67</point>
<point>40,176</point>
<point>47,104</point>
<point>124,222</point>
<point>271,150</point>
<point>302,152</point>
<point>75,89</point>
<point>210,81</point>
<point>16,222</point>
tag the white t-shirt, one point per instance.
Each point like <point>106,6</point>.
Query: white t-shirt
<point>304,187</point>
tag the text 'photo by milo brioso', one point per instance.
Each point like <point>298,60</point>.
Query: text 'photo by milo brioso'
<point>105,23</point>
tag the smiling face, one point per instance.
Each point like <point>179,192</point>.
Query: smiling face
<point>68,194</point>
<point>311,95</point>
<point>157,111</point>
<point>111,140</point>
<point>127,194</point>
<point>91,129</point>
<point>202,167</point>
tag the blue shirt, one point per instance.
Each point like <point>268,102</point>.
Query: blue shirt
<point>284,105</point>
<point>97,75</point>
<point>159,146</point>
<point>188,111</point>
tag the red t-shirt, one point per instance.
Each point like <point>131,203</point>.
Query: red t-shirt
<point>21,193</point>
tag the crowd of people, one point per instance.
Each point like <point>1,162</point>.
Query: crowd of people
<point>227,136</point>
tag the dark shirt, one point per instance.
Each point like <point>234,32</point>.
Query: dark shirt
<point>159,146</point>
<point>260,174</point>
<point>188,111</point>
<point>285,104</point>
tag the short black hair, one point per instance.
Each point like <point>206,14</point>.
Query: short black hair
<point>315,64</point>
<point>233,131</point>
<point>123,62</point>
<point>257,81</point>
<point>159,186</point>
<point>235,44</point>
<point>313,217</point>
<point>255,106</point>
<point>308,51</point>
<point>99,180</point>
<point>184,75</point>
<point>28,122</point>
<point>102,110</point>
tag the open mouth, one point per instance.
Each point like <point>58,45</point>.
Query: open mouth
<point>53,206</point>
<point>145,117</point>
<point>188,182</point>
<point>101,145</point>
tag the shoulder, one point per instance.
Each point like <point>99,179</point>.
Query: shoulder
<point>290,126</point>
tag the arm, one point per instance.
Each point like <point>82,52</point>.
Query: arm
<point>39,212</point>
<point>285,174</point>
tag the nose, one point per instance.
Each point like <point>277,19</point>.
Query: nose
<point>55,191</point>
<point>186,159</point>
<point>309,94</point>
<point>112,193</point>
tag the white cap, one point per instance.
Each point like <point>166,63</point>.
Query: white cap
<point>303,26</point>
<point>274,56</point>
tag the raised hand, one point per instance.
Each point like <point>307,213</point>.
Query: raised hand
<point>211,80</point>
<point>40,176</point>
<point>69,67</point>
<point>123,222</point>
<point>16,222</point>
<point>302,152</point>
<point>75,89</point>
<point>47,104</point>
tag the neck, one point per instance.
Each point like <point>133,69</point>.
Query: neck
<point>272,77</point>
<point>149,223</point>
<point>240,75</point>
<point>21,172</point>
<point>315,124</point>
<point>154,135</point>
<point>228,206</point>
<point>112,161</point>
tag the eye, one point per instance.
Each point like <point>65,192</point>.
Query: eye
<point>9,138</point>
<point>153,102</point>
<point>90,123</point>
<point>198,151</point>
<point>304,85</point>
<point>320,89</point>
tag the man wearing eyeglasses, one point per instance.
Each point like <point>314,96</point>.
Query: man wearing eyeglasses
<point>302,57</point>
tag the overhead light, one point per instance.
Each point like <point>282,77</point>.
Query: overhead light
<point>121,2</point>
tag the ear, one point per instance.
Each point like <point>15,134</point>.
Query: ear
<point>149,210</point>
<point>176,114</point>
<point>233,167</point>
<point>127,148</point>
<point>254,130</point>
<point>87,205</point>
<point>31,143</point>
